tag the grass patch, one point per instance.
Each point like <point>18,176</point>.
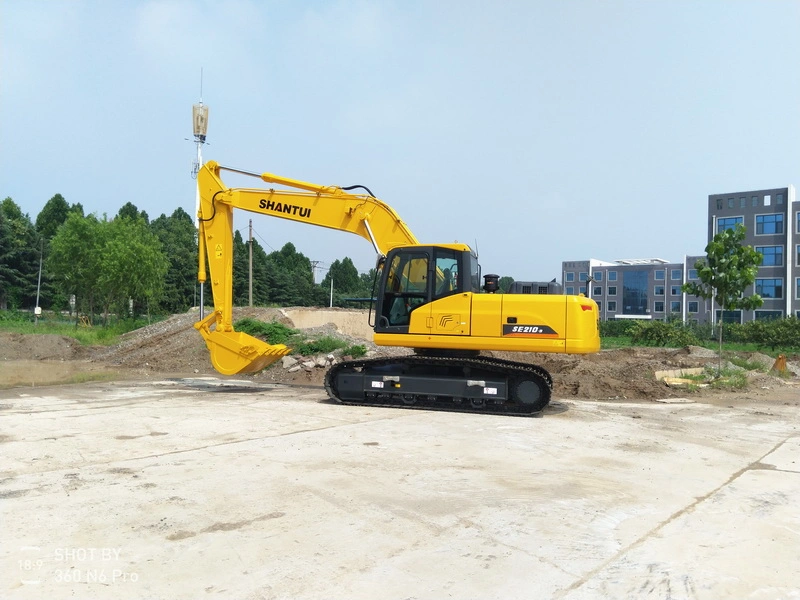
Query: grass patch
<point>272,332</point>
<point>356,350</point>
<point>728,379</point>
<point>323,345</point>
<point>614,342</point>
<point>86,336</point>
<point>748,365</point>
<point>698,377</point>
<point>97,376</point>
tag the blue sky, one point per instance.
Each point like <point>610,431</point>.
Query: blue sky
<point>543,130</point>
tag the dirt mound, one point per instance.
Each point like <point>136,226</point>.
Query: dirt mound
<point>624,374</point>
<point>174,347</point>
<point>19,346</point>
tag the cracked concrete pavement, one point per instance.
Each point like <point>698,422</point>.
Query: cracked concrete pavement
<point>187,488</point>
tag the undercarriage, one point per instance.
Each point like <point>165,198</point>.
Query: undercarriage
<point>473,384</point>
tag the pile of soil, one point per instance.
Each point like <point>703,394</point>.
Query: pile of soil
<point>174,348</point>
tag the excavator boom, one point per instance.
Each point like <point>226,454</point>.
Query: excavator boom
<point>324,206</point>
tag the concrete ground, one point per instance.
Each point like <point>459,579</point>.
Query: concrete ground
<point>197,489</point>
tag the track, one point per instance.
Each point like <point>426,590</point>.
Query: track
<point>477,385</point>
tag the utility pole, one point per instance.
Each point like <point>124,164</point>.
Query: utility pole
<point>251,263</point>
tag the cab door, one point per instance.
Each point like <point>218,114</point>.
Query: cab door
<point>450,307</point>
<point>404,289</point>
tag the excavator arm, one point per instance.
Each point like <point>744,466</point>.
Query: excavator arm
<point>325,206</point>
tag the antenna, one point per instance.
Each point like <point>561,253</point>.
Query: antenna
<point>200,127</point>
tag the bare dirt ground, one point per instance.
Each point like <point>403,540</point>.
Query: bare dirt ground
<point>174,348</point>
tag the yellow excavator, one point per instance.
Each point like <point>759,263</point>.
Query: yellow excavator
<point>429,297</point>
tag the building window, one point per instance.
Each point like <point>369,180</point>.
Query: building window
<point>583,276</point>
<point>598,276</point>
<point>675,290</point>
<point>599,306</point>
<point>659,275</point>
<point>612,306</point>
<point>659,306</point>
<point>612,289</point>
<point>773,255</point>
<point>778,198</point>
<point>767,200</point>
<point>612,275</point>
<point>797,289</point>
<point>729,316</point>
<point>798,222</point>
<point>659,290</point>
<point>675,274</point>
<point>728,223</point>
<point>597,291</point>
<point>692,273</point>
<point>693,306</point>
<point>768,315</point>
<point>742,202</point>
<point>634,292</point>
<point>674,307</point>
<point>797,262</point>
<point>754,201</point>
<point>769,288</point>
<point>570,291</point>
<point>570,277</point>
<point>719,203</point>
<point>769,224</point>
<point>731,202</point>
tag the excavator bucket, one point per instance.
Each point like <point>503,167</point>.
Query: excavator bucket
<point>234,352</point>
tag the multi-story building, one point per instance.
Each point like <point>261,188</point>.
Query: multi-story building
<point>772,220</point>
<point>650,288</point>
<point>644,288</point>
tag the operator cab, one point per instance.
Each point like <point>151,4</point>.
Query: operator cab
<point>413,276</point>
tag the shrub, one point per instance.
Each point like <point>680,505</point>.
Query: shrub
<point>617,328</point>
<point>659,333</point>
<point>356,350</point>
<point>273,332</point>
<point>322,345</point>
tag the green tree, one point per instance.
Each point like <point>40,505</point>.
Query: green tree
<point>728,269</point>
<point>132,266</point>
<point>129,211</point>
<point>74,259</point>
<point>178,237</point>
<point>107,263</point>
<point>367,283</point>
<point>292,278</point>
<point>52,216</point>
<point>345,277</point>
<point>241,271</point>
<point>262,278</point>
<point>504,284</point>
<point>20,248</point>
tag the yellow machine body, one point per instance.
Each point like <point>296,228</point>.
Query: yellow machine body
<point>443,313</point>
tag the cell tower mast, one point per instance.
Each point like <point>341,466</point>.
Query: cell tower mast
<point>200,127</point>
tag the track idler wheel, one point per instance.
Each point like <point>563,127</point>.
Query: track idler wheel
<point>533,393</point>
